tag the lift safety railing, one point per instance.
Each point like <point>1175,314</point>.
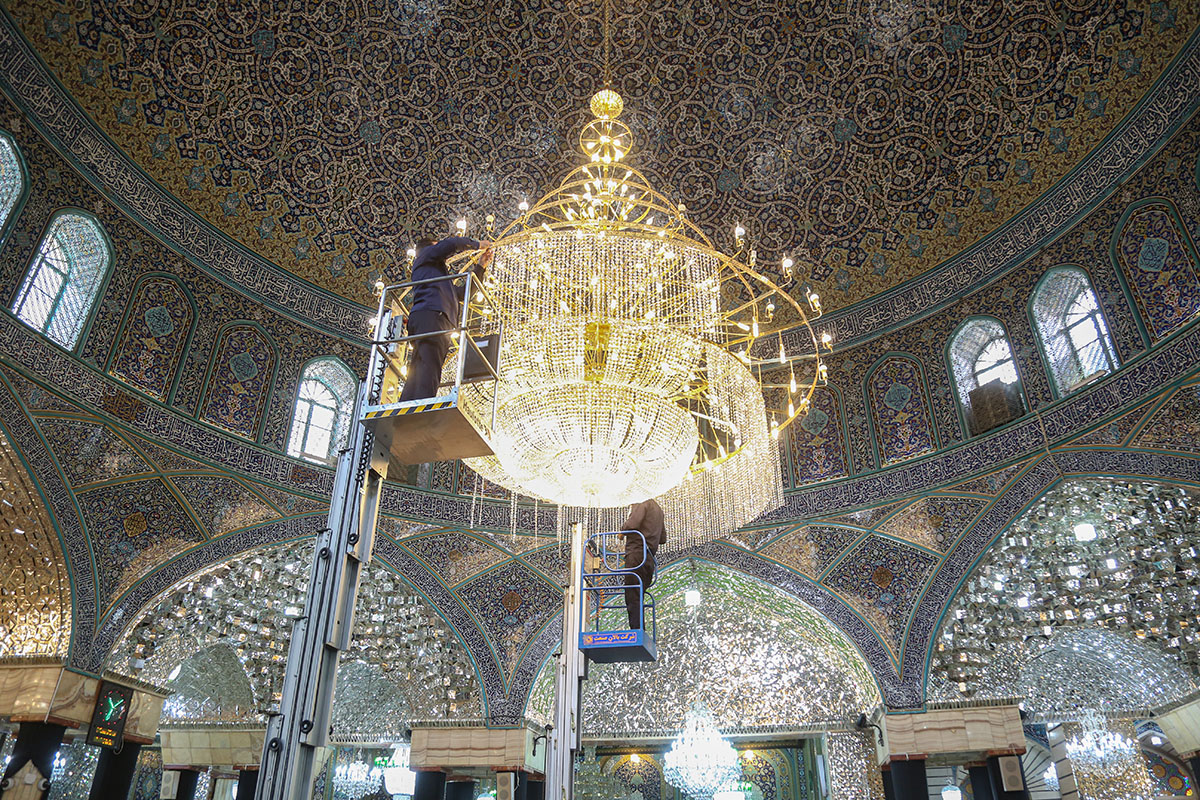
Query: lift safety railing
<point>605,577</point>
<point>389,356</point>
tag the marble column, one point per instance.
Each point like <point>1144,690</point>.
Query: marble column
<point>889,790</point>
<point>187,784</point>
<point>981,781</point>
<point>27,776</point>
<point>460,790</point>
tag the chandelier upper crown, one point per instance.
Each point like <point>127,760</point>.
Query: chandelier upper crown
<point>607,104</point>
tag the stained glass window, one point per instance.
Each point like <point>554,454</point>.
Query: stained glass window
<point>321,418</point>
<point>61,285</point>
<point>979,354</point>
<point>12,181</point>
<point>1074,335</point>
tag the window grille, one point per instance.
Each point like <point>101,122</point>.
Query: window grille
<point>62,283</point>
<point>11,179</point>
<point>1075,338</point>
<point>979,354</point>
<point>321,417</point>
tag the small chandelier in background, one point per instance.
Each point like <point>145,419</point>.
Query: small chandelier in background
<point>1097,746</point>
<point>701,762</point>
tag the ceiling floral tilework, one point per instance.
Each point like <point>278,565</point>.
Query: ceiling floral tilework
<point>881,140</point>
<point>933,522</point>
<point>90,452</point>
<point>453,555</point>
<point>883,580</point>
<point>222,504</point>
<point>134,526</point>
<point>511,604</point>
<point>1175,426</point>
<point>811,549</point>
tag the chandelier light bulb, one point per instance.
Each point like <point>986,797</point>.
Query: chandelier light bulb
<point>951,792</point>
<point>411,253</point>
<point>739,231</point>
<point>787,265</point>
<point>461,225</point>
<point>523,206</point>
<point>1085,532</point>
<point>692,597</point>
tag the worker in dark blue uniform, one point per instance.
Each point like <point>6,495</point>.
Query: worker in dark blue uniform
<point>436,309</point>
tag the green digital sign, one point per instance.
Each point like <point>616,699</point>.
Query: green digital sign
<point>109,715</point>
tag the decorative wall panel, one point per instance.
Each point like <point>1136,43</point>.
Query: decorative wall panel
<point>1160,265</point>
<point>133,528</point>
<point>815,443</point>
<point>900,411</point>
<point>883,580</point>
<point>157,326</point>
<point>239,380</point>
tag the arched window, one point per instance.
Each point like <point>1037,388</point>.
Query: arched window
<point>321,418</point>
<point>980,355</point>
<point>12,181</point>
<point>62,282</point>
<point>1074,336</point>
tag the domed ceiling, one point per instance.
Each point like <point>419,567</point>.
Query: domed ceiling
<point>873,140</point>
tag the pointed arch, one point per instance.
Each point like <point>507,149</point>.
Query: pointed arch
<point>159,321</point>
<point>241,374</point>
<point>1071,329</point>
<point>322,410</point>
<point>14,185</point>
<point>978,353</point>
<point>901,425</point>
<point>65,277</point>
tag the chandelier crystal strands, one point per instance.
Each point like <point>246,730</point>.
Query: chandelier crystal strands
<point>1097,746</point>
<point>701,762</point>
<point>1108,764</point>
<point>630,352</point>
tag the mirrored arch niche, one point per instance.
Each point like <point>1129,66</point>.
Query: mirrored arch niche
<point>404,664</point>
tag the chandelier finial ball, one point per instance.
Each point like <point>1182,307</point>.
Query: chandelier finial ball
<point>607,104</point>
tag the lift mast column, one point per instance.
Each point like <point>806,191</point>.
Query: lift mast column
<point>564,738</point>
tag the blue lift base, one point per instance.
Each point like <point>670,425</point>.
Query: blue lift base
<point>607,647</point>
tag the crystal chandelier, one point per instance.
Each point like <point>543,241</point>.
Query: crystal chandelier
<point>355,777</point>
<point>631,350</point>
<point>1097,746</point>
<point>701,762</point>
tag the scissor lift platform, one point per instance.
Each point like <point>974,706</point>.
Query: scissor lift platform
<point>608,647</point>
<point>429,429</point>
<point>603,582</point>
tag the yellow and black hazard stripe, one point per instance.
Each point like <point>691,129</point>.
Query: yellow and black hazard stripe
<point>399,412</point>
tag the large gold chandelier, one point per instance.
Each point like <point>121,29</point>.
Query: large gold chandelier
<point>632,350</point>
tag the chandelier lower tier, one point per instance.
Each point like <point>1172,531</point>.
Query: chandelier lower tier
<point>626,367</point>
